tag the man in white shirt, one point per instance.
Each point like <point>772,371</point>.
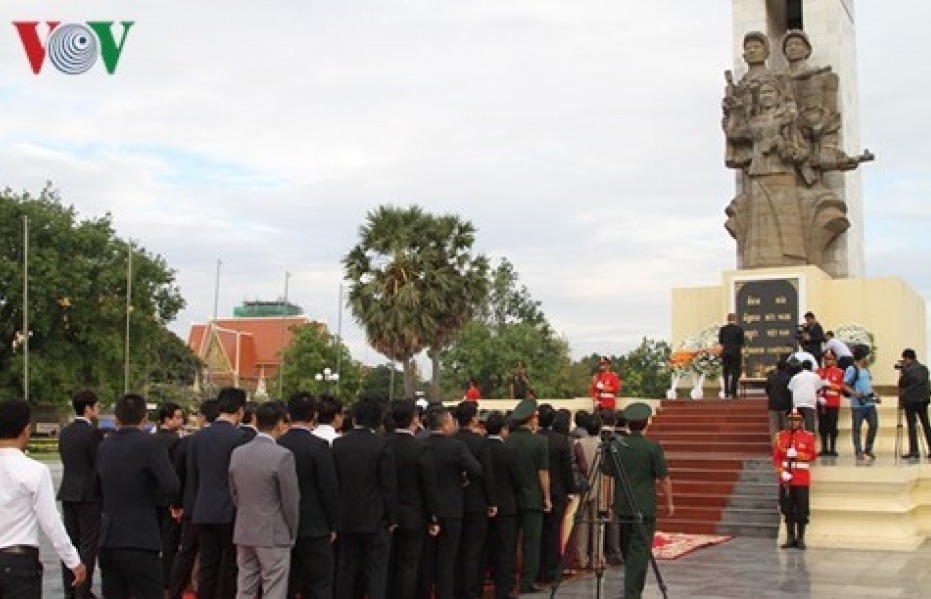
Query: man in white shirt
<point>329,418</point>
<point>27,502</point>
<point>805,387</point>
<point>840,349</point>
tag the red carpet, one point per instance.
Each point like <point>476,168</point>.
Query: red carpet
<point>673,545</point>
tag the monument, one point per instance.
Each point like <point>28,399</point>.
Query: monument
<point>790,127</point>
<point>791,134</point>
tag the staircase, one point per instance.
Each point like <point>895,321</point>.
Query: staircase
<point>718,457</point>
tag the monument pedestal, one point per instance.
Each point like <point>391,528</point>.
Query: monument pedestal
<point>770,302</point>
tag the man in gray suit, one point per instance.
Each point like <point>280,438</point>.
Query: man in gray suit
<point>263,484</point>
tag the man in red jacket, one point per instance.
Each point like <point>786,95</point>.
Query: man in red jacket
<point>606,384</point>
<point>793,452</point>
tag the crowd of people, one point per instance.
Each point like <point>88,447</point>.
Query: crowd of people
<point>305,499</point>
<point>805,392</point>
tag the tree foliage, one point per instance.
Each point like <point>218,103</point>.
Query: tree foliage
<point>644,370</point>
<point>510,328</point>
<point>312,349</point>
<point>414,282</point>
<point>77,302</point>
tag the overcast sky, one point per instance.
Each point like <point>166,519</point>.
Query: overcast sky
<point>581,137</point>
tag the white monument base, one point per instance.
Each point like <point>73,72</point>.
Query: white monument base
<point>887,307</point>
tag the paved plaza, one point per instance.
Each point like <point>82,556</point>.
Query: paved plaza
<point>742,567</point>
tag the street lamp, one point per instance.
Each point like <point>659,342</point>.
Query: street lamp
<point>327,377</point>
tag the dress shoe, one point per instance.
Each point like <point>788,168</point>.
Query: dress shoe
<point>910,456</point>
<point>870,455</point>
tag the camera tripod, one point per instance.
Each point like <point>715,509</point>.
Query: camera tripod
<point>607,452</point>
<point>922,449</point>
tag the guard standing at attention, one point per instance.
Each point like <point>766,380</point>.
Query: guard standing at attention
<point>606,384</point>
<point>793,452</point>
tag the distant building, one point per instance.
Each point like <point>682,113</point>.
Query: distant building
<point>245,350</point>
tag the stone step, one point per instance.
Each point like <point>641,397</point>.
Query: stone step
<point>727,446</point>
<point>695,527</point>
<point>740,436</point>
<point>665,427</point>
<point>737,529</point>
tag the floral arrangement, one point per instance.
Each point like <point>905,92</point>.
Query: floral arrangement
<point>854,334</point>
<point>699,354</point>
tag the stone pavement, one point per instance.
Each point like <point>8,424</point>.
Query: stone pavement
<point>740,568</point>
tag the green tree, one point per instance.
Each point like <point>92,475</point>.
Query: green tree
<point>384,382</point>
<point>510,328</point>
<point>77,301</point>
<point>644,370</point>
<point>409,282</point>
<point>312,349</point>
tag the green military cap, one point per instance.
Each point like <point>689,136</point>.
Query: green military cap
<point>524,410</point>
<point>637,411</point>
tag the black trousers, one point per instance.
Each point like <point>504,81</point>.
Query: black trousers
<point>20,577</point>
<point>171,538</point>
<point>183,564</point>
<point>793,503</point>
<point>732,370</point>
<point>438,563</point>
<point>363,557</point>
<point>914,412</point>
<point>552,539</point>
<point>827,427</point>
<point>126,573</point>
<point>502,534</point>
<point>470,567</point>
<point>406,549</point>
<point>82,522</point>
<point>217,576</point>
<point>312,563</point>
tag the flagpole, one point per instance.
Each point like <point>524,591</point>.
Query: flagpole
<point>210,330</point>
<point>339,337</point>
<point>129,307</point>
<point>26,306</point>
<point>284,327</point>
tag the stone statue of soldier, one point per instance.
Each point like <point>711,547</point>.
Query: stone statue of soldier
<point>782,131</point>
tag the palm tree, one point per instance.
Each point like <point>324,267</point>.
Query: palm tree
<point>409,282</point>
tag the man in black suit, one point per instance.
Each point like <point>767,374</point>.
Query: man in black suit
<point>247,426</point>
<point>182,506</point>
<point>479,502</point>
<point>133,469</point>
<point>731,339</point>
<point>561,486</point>
<point>80,501</point>
<point>417,501</point>
<point>312,559</point>
<point>454,465</point>
<point>368,504</point>
<point>502,528</point>
<point>208,465</point>
<point>170,420</point>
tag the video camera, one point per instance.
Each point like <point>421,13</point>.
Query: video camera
<point>899,365</point>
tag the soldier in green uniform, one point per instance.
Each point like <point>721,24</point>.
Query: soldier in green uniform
<point>644,463</point>
<point>533,493</point>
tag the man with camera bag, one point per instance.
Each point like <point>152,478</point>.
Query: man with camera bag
<point>644,463</point>
<point>793,452</point>
<point>858,387</point>
<point>914,391</point>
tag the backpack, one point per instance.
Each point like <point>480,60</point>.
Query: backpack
<point>853,381</point>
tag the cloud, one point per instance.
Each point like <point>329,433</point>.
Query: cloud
<point>581,138</point>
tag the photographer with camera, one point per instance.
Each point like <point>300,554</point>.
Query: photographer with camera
<point>914,391</point>
<point>859,389</point>
<point>811,335</point>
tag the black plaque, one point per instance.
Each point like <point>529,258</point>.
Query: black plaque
<point>768,311</point>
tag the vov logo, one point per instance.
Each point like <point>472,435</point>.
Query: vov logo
<point>73,48</point>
